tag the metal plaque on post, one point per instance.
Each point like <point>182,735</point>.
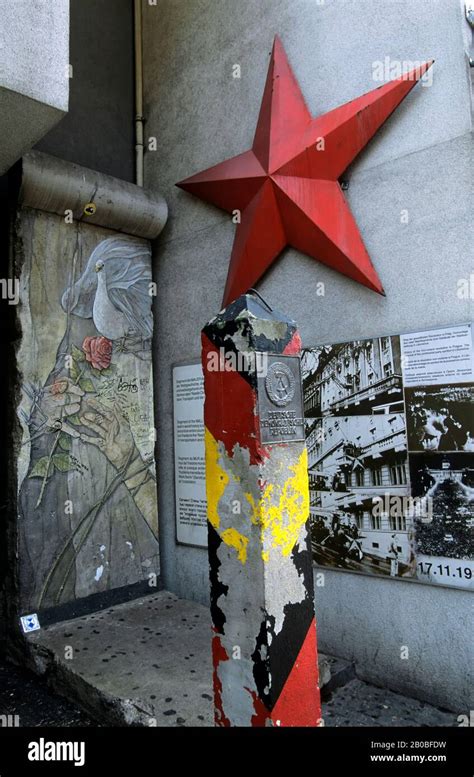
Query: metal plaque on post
<point>280,399</point>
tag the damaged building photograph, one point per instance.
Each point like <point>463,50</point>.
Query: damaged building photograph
<point>237,412</point>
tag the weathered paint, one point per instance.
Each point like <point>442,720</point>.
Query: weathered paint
<point>87,501</point>
<point>217,479</point>
<point>264,643</point>
<point>290,499</point>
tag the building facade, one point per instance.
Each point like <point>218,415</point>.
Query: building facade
<point>360,377</point>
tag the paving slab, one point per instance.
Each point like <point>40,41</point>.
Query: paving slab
<point>147,662</point>
<point>361,704</point>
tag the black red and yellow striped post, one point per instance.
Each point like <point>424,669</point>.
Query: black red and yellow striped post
<point>264,633</point>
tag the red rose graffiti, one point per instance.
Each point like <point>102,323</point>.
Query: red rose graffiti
<point>98,351</point>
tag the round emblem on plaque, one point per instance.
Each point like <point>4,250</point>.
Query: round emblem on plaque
<point>280,384</point>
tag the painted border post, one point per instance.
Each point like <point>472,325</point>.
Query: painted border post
<point>262,605</point>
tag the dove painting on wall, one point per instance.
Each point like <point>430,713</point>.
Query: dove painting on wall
<point>87,494</point>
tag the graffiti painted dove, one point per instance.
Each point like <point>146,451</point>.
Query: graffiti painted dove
<point>114,289</point>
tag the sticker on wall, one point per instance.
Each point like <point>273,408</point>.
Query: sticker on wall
<point>30,623</point>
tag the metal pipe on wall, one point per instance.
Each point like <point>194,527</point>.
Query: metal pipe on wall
<point>139,147</point>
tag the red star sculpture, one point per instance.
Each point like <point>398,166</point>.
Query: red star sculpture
<point>286,187</point>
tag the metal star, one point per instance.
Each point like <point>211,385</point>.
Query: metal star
<point>286,187</point>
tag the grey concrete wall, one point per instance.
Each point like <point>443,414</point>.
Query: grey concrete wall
<point>421,161</point>
<point>98,131</point>
<point>375,622</point>
<point>34,83</point>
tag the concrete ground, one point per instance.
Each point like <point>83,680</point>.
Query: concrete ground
<point>361,704</point>
<point>147,662</point>
<point>28,696</point>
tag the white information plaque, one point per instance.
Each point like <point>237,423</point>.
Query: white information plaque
<point>189,458</point>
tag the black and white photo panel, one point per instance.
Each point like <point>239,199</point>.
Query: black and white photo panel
<point>360,377</point>
<point>390,436</point>
<point>444,533</point>
<point>440,418</point>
